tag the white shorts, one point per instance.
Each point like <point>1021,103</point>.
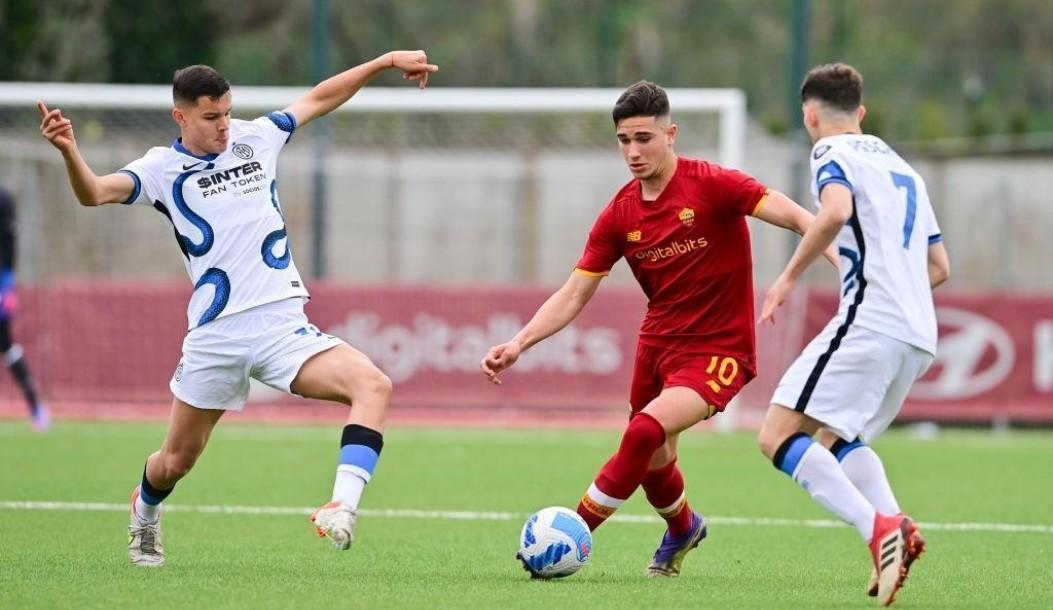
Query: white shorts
<point>269,343</point>
<point>856,386</point>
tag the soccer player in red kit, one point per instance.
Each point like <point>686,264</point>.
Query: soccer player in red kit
<point>681,226</point>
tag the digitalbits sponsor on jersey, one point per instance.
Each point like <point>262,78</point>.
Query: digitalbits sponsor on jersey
<point>555,542</point>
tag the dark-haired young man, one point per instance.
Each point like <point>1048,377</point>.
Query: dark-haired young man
<point>216,185</point>
<point>849,383</point>
<point>10,351</point>
<point>681,226</point>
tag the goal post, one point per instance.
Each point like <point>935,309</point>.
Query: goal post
<point>528,168</point>
<point>443,187</point>
<point>729,104</point>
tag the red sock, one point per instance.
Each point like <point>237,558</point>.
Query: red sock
<point>665,492</point>
<point>624,472</point>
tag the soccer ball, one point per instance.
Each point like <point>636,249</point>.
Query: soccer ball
<point>555,542</point>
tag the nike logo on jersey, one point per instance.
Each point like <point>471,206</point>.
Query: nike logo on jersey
<point>190,166</point>
<point>820,151</point>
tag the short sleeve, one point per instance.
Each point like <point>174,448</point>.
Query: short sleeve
<point>738,191</point>
<point>603,247</point>
<point>147,173</point>
<point>829,166</point>
<point>277,127</point>
<point>932,228</point>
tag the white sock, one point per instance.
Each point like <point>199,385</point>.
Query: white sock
<point>822,477</point>
<point>350,482</point>
<point>147,513</point>
<point>865,470</point>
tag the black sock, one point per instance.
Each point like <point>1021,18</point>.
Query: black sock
<point>20,372</point>
<point>150,494</point>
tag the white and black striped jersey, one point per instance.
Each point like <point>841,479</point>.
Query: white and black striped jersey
<point>884,246</point>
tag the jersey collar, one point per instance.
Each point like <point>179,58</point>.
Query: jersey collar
<point>178,145</point>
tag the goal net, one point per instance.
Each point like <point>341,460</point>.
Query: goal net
<point>448,189</point>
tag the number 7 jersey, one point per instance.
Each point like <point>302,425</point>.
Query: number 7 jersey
<point>884,246</point>
<point>226,217</point>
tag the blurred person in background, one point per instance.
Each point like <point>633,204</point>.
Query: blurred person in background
<point>680,224</point>
<point>216,183</point>
<point>13,354</point>
<point>850,381</point>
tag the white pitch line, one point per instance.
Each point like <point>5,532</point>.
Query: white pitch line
<point>464,515</point>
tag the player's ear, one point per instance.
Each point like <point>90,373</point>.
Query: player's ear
<point>860,113</point>
<point>178,116</point>
<point>811,116</point>
<point>670,133</point>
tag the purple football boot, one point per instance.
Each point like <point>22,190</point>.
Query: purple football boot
<point>671,551</point>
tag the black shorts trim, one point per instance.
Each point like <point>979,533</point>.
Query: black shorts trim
<point>842,330</point>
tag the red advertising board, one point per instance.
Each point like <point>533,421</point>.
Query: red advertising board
<point>119,343</point>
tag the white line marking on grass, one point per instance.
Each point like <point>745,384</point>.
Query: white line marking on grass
<point>464,515</point>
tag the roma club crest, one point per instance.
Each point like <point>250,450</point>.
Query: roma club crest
<point>687,216</point>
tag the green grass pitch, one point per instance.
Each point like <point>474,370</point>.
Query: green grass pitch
<point>77,558</point>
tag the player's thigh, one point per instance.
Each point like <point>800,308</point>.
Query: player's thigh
<point>189,429</point>
<point>293,355</point>
<point>716,379</point>
<point>678,408</point>
<point>838,380</point>
<point>340,373</point>
<point>913,363</point>
<point>646,382</point>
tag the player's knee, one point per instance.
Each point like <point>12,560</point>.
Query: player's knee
<point>373,384</point>
<point>768,439</point>
<point>644,433</point>
<point>661,458</point>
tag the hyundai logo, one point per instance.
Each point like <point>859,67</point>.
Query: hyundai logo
<point>975,354</point>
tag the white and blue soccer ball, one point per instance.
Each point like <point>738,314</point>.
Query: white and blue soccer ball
<point>555,542</point>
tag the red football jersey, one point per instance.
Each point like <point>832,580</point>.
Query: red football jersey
<point>690,251</point>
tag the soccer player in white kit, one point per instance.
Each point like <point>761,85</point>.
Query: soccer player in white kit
<point>216,184</point>
<point>850,382</point>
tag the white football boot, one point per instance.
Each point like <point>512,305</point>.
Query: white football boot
<point>337,521</point>
<point>145,548</point>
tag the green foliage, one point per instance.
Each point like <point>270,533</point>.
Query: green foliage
<point>932,121</point>
<point>151,39</point>
<point>911,52</point>
<point>19,20</point>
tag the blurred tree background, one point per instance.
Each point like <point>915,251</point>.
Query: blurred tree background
<point>934,68</point>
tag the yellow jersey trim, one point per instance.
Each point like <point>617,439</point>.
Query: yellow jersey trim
<point>591,273</point>
<point>760,204</point>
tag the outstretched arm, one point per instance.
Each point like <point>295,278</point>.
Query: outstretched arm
<point>331,93</point>
<point>835,211</point>
<point>559,310</point>
<point>781,211</point>
<point>91,190</point>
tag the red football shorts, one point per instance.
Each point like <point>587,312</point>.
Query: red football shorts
<point>715,377</point>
